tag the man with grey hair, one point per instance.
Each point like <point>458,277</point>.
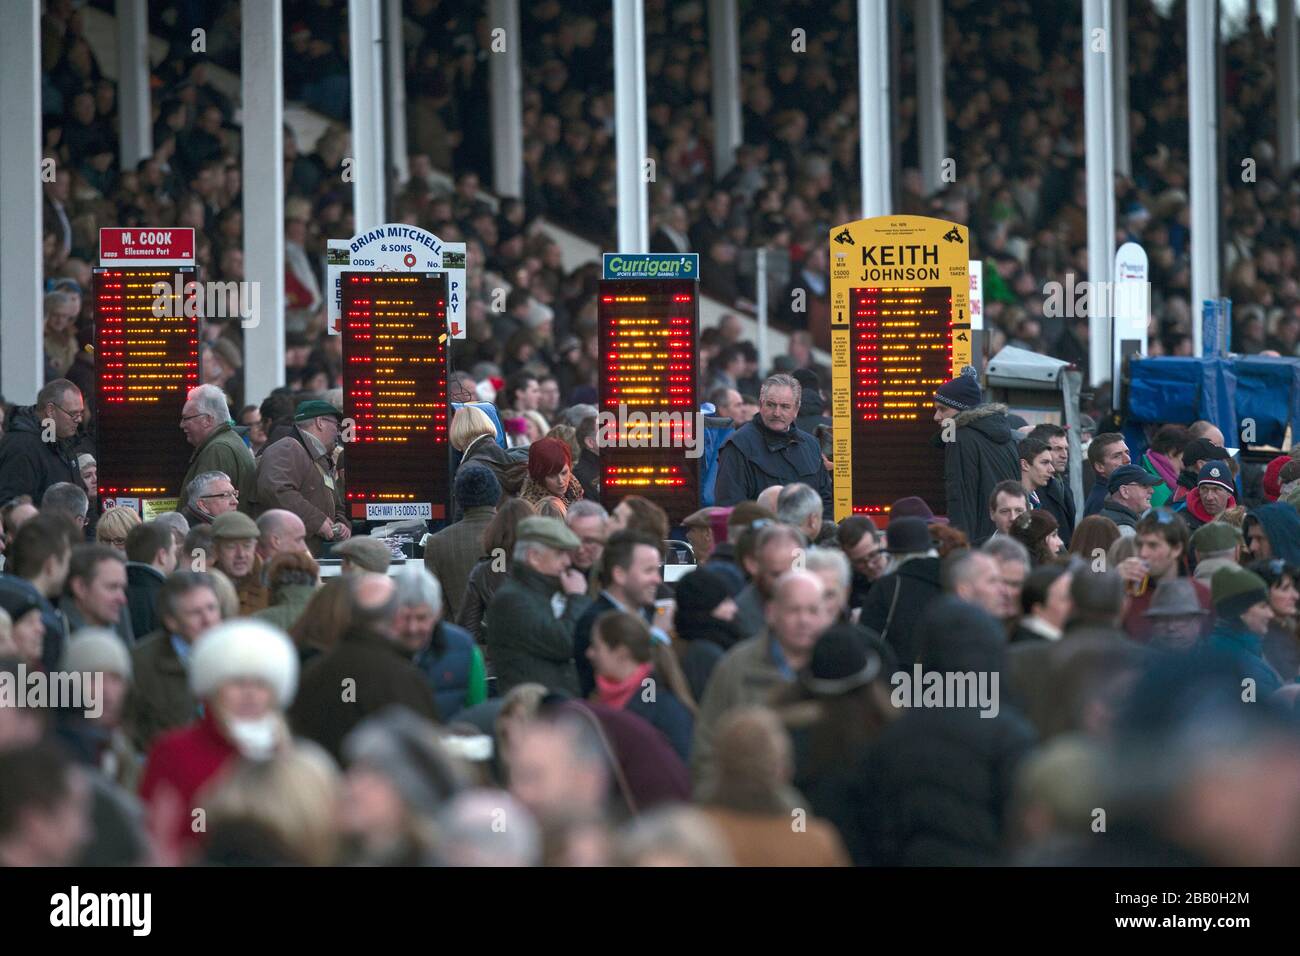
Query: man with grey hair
<point>777,549</point>
<point>590,522</point>
<point>1013,566</point>
<point>772,450</point>
<point>832,567</point>
<point>368,671</point>
<point>210,494</point>
<point>33,451</point>
<point>976,578</point>
<point>800,507</point>
<point>446,654</point>
<point>68,500</point>
<point>488,828</point>
<point>205,420</point>
<point>529,623</point>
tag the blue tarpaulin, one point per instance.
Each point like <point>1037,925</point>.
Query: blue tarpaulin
<point>1230,392</point>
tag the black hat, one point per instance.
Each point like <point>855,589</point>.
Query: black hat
<point>1216,473</point>
<point>476,487</point>
<point>1202,449</point>
<point>962,392</point>
<point>907,535</point>
<point>699,592</point>
<point>1130,475</point>
<point>841,662</point>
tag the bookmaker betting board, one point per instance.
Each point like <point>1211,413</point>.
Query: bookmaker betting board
<point>900,328</point>
<point>146,360</point>
<point>648,402</point>
<point>395,394</point>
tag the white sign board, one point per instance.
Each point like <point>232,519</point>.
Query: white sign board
<point>395,511</point>
<point>976,294</point>
<point>1131,301</point>
<point>397,247</point>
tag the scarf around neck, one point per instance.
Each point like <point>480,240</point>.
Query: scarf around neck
<point>616,694</point>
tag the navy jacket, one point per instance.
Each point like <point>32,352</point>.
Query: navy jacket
<point>755,457</point>
<point>28,466</point>
<point>446,664</point>
<point>1057,500</point>
<point>981,454</point>
<point>667,714</point>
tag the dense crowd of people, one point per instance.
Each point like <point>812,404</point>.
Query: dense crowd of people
<point>546,685</point>
<point>1026,678</point>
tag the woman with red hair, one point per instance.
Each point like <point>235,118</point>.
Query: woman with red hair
<point>550,473</point>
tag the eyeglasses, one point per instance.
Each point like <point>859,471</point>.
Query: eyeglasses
<point>115,542</point>
<point>222,494</point>
<point>75,416</point>
<point>186,418</point>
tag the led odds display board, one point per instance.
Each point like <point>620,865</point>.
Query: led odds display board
<point>900,328</point>
<point>648,422</point>
<point>146,361</point>
<point>395,394</point>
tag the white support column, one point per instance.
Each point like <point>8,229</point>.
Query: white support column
<point>22,367</point>
<point>505,85</point>
<point>1119,24</point>
<point>395,65</point>
<point>1288,88</point>
<point>369,174</point>
<point>931,124</point>
<point>873,106</point>
<point>1098,118</point>
<point>133,81</point>
<point>1203,137</point>
<point>263,125</point>
<point>629,126</point>
<point>724,61</point>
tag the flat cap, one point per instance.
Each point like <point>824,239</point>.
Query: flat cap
<point>234,525</point>
<point>548,531</point>
<point>1215,536</point>
<point>315,408</point>
<point>366,552</point>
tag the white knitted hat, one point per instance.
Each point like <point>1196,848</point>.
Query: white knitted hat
<point>248,649</point>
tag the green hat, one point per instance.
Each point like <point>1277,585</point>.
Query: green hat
<point>234,526</point>
<point>548,531</point>
<point>315,409</point>
<point>1235,590</point>
<point>369,554</point>
<point>1215,536</point>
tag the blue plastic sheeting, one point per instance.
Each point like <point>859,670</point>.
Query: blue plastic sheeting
<point>1180,390</point>
<point>1268,392</point>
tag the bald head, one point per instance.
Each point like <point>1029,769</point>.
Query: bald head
<point>797,615</point>
<point>768,496</point>
<point>281,532</point>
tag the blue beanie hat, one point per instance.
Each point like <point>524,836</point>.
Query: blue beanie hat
<point>962,392</point>
<point>476,486</point>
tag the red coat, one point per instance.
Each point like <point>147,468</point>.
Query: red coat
<point>182,762</point>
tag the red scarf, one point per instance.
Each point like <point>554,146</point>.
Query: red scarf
<point>617,693</point>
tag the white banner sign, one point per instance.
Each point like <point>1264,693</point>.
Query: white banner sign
<point>396,511</point>
<point>397,247</point>
<point>976,294</point>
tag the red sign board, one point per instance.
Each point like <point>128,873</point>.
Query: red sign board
<point>146,361</point>
<point>146,247</point>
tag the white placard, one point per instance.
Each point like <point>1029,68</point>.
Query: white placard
<point>397,247</point>
<point>399,510</point>
<point>976,294</point>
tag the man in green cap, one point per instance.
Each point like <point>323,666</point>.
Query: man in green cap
<point>529,623</point>
<point>1242,616</point>
<point>298,473</point>
<point>234,539</point>
<point>1216,545</point>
